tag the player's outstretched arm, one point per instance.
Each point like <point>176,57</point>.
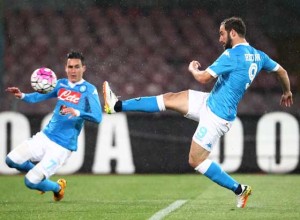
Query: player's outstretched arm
<point>287,96</point>
<point>15,91</point>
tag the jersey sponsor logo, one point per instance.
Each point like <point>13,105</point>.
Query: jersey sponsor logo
<point>69,96</point>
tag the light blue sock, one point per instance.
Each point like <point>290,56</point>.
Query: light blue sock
<point>213,171</point>
<point>142,104</point>
<point>24,167</point>
<point>45,185</point>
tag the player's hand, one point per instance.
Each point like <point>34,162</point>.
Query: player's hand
<point>14,90</point>
<point>71,111</point>
<point>194,66</point>
<point>286,99</point>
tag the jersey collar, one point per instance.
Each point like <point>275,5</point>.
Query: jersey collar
<point>245,44</point>
<point>72,85</point>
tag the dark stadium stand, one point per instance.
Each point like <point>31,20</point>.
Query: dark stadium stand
<point>140,51</point>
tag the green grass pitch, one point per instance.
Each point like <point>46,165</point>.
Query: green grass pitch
<point>133,197</point>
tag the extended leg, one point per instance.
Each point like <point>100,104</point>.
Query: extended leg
<point>198,159</point>
<point>170,101</point>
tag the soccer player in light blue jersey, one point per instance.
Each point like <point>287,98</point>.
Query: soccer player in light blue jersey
<point>235,70</point>
<point>77,101</point>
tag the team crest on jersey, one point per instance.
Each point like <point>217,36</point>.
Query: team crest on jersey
<point>69,96</point>
<point>82,88</point>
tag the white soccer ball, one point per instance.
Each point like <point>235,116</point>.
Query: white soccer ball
<point>43,80</point>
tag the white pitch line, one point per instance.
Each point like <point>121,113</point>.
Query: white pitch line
<point>164,212</point>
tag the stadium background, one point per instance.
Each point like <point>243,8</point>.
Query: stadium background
<point>143,48</point>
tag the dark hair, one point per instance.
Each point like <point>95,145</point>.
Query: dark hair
<point>236,24</point>
<point>76,55</point>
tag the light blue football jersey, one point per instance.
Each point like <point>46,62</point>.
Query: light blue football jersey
<point>82,96</point>
<point>236,68</point>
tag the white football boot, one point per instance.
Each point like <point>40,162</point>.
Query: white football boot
<point>241,199</point>
<point>110,99</point>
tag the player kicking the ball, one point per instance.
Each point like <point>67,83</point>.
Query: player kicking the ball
<point>77,101</point>
<point>235,69</point>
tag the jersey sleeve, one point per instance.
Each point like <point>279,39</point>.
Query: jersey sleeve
<point>224,64</point>
<point>94,110</point>
<point>36,97</point>
<point>269,65</point>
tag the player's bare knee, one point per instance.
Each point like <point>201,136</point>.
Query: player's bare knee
<point>168,97</point>
<point>193,163</point>
<point>165,100</point>
<point>176,101</point>
<point>195,160</point>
